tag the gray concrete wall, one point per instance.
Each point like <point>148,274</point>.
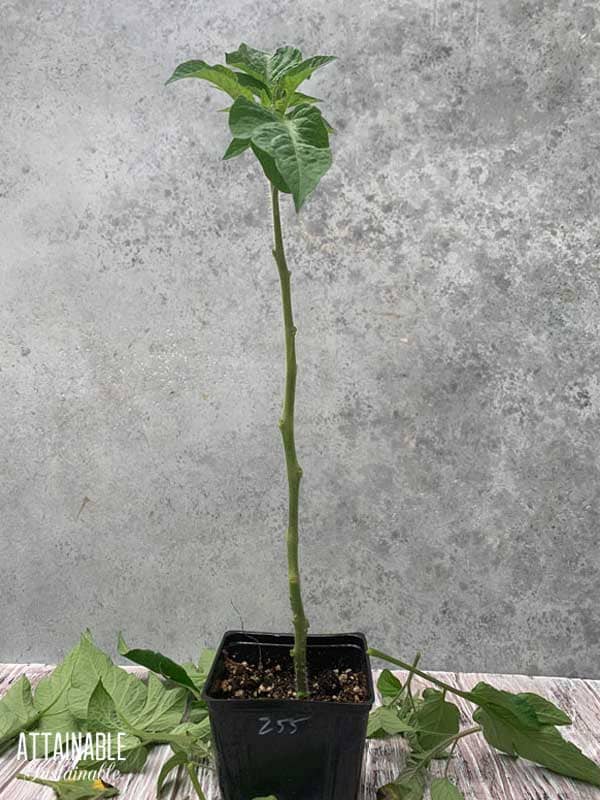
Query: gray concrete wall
<point>446,286</point>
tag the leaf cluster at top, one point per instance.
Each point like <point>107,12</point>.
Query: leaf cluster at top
<point>282,126</point>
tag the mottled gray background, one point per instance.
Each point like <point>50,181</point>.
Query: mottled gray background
<point>446,285</point>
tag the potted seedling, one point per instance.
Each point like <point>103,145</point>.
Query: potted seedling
<point>288,713</point>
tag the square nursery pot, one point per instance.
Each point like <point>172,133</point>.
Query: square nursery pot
<point>293,749</point>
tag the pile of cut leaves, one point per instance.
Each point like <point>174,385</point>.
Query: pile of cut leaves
<point>89,694</point>
<point>523,724</point>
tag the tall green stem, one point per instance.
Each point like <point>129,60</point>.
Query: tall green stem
<point>294,471</point>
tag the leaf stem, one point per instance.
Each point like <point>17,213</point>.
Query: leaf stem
<point>412,669</point>
<point>195,782</point>
<point>408,683</point>
<point>425,758</point>
<point>294,471</point>
<point>452,749</point>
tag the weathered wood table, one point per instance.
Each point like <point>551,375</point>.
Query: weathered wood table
<point>480,773</point>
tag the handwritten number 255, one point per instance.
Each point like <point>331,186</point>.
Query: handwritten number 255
<point>288,726</point>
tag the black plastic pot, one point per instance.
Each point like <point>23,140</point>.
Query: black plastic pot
<point>293,749</point>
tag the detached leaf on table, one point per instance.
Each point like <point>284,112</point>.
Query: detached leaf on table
<point>74,790</point>
<point>512,708</point>
<point>546,712</point>
<point>17,711</point>
<point>409,785</point>
<point>544,746</point>
<point>436,719</point>
<point>52,698</point>
<point>199,673</point>
<point>385,721</point>
<point>176,760</point>
<point>157,712</point>
<point>444,789</point>
<point>389,686</point>
<point>151,719</point>
<point>158,663</point>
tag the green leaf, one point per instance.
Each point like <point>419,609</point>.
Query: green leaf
<point>258,88</point>
<point>51,698</point>
<point>513,709</point>
<point>283,60</point>
<point>436,719</point>
<point>160,664</point>
<point>409,785</point>
<point>155,721</point>
<point>236,148</point>
<point>546,712</point>
<point>249,60</point>
<point>298,98</point>
<point>133,757</point>
<point>297,144</point>
<point>199,673</point>
<point>270,169</point>
<point>97,695</point>
<point>88,693</point>
<point>149,707</point>
<point>300,72</point>
<point>176,760</point>
<point>245,118</point>
<point>161,710</point>
<point>545,746</point>
<point>443,789</point>
<point>385,721</point>
<point>92,666</point>
<point>102,712</point>
<point>265,67</point>
<point>74,790</point>
<point>388,685</point>
<point>217,75</point>
<point>206,660</point>
<point>330,128</point>
<point>189,743</point>
<point>17,711</point>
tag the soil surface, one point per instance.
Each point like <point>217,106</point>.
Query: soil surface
<point>274,680</point>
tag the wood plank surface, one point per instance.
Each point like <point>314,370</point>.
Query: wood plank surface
<point>480,773</point>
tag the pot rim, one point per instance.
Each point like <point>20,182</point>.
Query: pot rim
<point>314,639</point>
